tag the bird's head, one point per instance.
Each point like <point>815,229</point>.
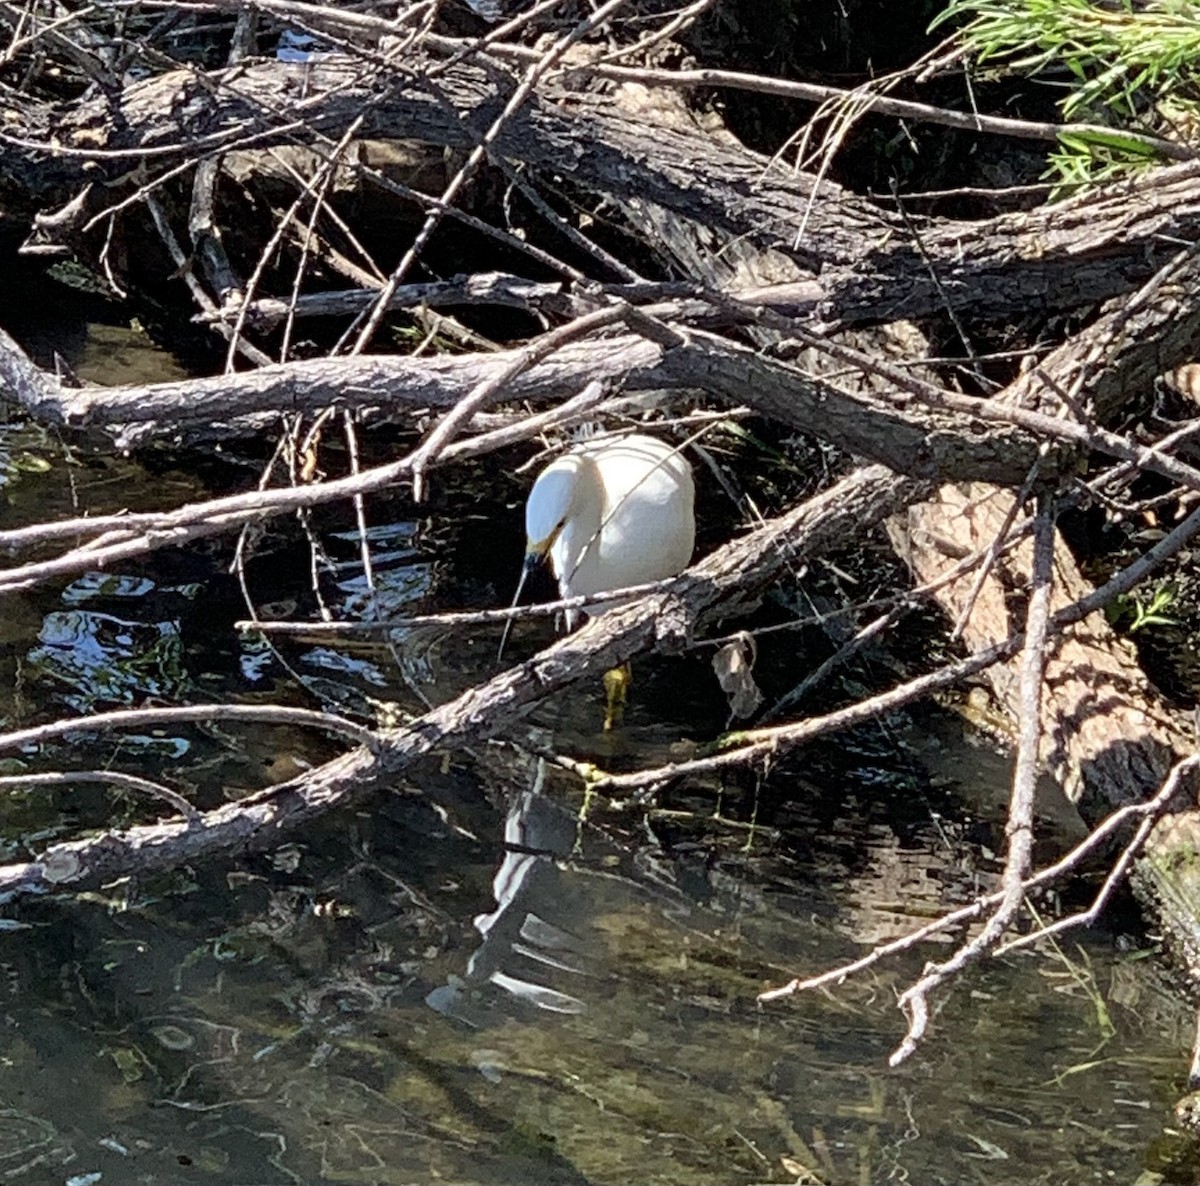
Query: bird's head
<point>549,506</point>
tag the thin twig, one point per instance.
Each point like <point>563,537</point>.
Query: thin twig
<point>1154,810</point>
<point>529,355</point>
<point>815,678</point>
<point>811,92</point>
<point>1099,835</point>
<point>184,264</point>
<point>126,782</point>
<point>914,1001</point>
<point>997,545</point>
<point>269,714</point>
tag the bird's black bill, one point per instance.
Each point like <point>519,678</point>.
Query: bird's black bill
<point>532,560</point>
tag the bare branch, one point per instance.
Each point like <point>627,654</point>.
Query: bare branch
<point>914,1001</point>
<point>126,782</point>
<point>1098,838</point>
<point>263,714</point>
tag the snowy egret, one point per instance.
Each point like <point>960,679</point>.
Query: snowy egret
<point>610,513</point>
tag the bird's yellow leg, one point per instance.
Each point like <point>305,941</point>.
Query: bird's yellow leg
<point>616,692</point>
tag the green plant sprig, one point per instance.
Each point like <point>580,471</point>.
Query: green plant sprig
<point>1118,64</point>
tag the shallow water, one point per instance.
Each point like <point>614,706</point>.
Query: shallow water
<point>459,980</point>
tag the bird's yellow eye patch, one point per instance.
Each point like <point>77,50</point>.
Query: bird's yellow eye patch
<point>541,547</point>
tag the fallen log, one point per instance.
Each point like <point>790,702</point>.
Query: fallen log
<point>1063,256</point>
<point>924,442</point>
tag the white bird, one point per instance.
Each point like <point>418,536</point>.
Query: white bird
<point>610,513</point>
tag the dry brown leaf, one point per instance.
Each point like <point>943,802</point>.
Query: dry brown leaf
<point>734,664</point>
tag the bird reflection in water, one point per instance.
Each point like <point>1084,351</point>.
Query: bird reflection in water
<point>518,944</point>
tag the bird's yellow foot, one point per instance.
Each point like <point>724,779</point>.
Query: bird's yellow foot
<point>616,692</point>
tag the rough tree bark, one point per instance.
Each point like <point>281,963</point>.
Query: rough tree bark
<point>1071,254</point>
